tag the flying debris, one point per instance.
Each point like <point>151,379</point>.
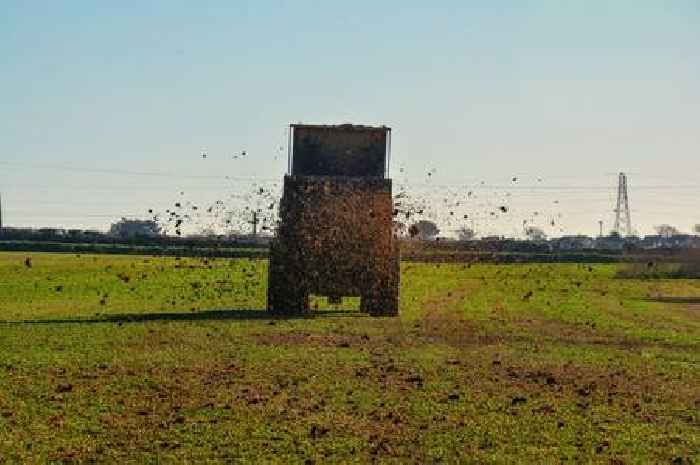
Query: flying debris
<point>478,202</point>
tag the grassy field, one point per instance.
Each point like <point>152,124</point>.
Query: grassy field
<point>115,359</point>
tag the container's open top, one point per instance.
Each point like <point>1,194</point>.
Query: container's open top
<point>339,150</point>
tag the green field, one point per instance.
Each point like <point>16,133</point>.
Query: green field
<point>116,359</point>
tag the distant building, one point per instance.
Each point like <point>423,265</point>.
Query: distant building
<point>132,228</point>
<point>92,234</point>
<point>612,242</point>
<point>17,233</point>
<point>75,233</point>
<point>574,243</point>
<point>678,241</point>
<point>52,232</point>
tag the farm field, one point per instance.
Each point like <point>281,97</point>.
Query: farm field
<point>134,359</point>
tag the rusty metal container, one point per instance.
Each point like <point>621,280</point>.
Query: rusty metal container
<point>335,227</point>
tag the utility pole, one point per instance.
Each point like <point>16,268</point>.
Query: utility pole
<point>622,211</point>
<point>0,212</point>
<point>255,223</point>
<point>600,222</point>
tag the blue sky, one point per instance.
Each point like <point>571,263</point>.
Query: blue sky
<point>106,109</point>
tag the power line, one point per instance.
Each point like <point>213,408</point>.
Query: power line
<point>121,172</point>
<point>69,215</point>
<point>465,183</point>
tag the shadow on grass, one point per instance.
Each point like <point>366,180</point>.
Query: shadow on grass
<point>208,315</point>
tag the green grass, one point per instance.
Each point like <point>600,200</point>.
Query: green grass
<point>114,359</point>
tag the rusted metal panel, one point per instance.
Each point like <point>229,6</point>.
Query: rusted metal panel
<point>340,150</point>
<point>341,231</point>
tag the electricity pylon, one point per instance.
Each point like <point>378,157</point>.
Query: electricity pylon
<point>623,220</point>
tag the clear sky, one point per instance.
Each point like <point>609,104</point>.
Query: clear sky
<point>105,110</point>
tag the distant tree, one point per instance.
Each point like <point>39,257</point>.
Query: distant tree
<point>666,230</point>
<point>534,233</point>
<point>424,230</point>
<point>696,228</point>
<point>466,234</point>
